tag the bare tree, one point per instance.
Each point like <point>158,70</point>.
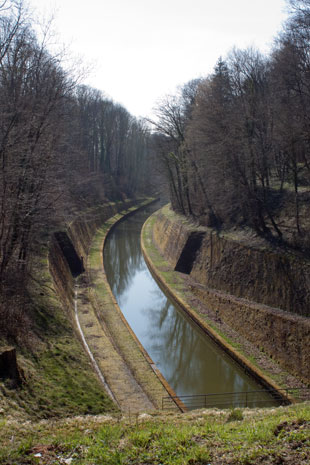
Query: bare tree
<point>172,116</point>
<point>34,90</point>
<point>12,18</point>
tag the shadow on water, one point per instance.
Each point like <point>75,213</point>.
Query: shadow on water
<point>190,361</point>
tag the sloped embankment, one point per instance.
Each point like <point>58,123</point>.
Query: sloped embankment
<point>283,336</point>
<point>217,437</point>
<point>133,382</point>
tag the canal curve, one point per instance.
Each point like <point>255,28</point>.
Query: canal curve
<point>188,359</point>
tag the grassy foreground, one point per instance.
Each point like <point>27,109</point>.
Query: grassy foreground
<point>270,436</point>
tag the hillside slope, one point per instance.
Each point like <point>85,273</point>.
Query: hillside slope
<point>217,437</point>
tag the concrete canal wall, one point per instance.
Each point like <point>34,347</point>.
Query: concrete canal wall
<point>261,293</point>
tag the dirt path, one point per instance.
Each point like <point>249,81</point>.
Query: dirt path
<point>125,390</point>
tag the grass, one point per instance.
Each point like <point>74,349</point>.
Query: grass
<point>58,377</point>
<point>235,415</point>
<point>201,437</point>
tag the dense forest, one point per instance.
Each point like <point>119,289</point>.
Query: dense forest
<point>63,146</point>
<point>235,146</point>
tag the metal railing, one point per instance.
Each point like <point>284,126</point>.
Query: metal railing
<point>259,398</point>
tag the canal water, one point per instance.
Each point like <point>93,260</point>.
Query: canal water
<point>188,359</point>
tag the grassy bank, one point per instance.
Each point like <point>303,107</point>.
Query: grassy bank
<point>275,436</point>
<point>58,379</point>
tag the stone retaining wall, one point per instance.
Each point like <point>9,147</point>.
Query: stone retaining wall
<point>269,276</point>
<point>80,232</point>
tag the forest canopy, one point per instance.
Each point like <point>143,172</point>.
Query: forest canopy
<point>235,146</point>
<point>61,144</point>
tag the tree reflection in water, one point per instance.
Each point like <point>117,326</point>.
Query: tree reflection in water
<point>191,362</point>
<point>122,254</point>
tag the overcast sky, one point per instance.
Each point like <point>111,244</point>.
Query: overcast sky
<point>140,50</point>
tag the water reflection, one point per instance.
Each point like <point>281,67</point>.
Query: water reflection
<point>191,362</point>
<point>121,277</point>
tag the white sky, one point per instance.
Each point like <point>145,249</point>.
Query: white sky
<point>141,50</point>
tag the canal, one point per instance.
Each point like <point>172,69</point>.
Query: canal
<point>188,359</point>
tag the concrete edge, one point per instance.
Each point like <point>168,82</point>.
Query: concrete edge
<point>117,218</point>
<point>226,346</point>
